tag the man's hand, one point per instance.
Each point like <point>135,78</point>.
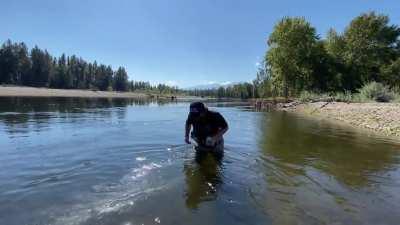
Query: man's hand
<point>187,140</point>
<point>210,141</point>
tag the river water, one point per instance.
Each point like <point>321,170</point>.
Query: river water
<point>123,162</point>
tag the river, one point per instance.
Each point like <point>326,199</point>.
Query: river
<point>124,162</point>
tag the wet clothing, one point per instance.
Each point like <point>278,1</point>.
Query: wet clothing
<point>206,126</point>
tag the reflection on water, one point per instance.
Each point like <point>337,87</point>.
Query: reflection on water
<point>350,157</point>
<point>319,173</point>
<point>121,161</point>
<point>202,179</point>
<point>18,112</point>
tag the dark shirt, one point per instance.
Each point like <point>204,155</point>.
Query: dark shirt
<point>206,126</point>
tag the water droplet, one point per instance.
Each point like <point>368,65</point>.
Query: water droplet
<point>157,220</point>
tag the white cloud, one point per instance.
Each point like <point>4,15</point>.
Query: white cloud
<point>226,83</point>
<point>172,83</point>
<point>167,82</point>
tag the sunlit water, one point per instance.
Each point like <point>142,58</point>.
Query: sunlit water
<point>87,161</point>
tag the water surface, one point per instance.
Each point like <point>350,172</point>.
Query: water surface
<point>100,161</point>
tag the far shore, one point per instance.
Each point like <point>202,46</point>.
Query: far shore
<point>17,91</point>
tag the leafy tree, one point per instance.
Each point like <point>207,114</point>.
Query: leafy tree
<point>391,73</point>
<point>290,55</point>
<point>370,44</point>
<point>335,46</point>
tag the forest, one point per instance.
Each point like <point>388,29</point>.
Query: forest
<point>38,68</point>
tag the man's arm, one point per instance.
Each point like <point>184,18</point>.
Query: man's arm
<point>187,131</point>
<point>223,127</point>
<point>220,133</point>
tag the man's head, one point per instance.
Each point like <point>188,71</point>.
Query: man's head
<point>198,109</point>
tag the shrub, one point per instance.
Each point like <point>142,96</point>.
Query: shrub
<point>374,91</point>
<point>346,96</point>
<point>306,96</point>
<point>397,98</point>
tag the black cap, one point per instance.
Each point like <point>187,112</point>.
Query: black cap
<point>197,107</point>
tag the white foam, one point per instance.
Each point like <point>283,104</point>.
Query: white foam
<point>140,158</point>
<point>126,193</point>
<point>144,170</point>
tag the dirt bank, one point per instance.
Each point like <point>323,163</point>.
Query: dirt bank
<point>380,117</point>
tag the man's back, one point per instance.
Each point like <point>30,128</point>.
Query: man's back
<point>207,125</point>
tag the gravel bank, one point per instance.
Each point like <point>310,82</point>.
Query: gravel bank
<point>380,117</point>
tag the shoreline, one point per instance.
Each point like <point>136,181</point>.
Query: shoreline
<point>20,91</point>
<point>381,118</point>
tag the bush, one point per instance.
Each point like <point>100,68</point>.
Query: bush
<point>346,96</point>
<point>306,96</point>
<point>374,91</point>
<point>396,98</point>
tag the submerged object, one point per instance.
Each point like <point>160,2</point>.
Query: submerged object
<point>209,146</point>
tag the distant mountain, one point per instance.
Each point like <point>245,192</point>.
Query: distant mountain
<point>211,86</point>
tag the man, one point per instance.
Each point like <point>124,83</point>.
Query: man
<point>208,128</point>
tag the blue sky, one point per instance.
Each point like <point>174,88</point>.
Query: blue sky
<point>180,42</point>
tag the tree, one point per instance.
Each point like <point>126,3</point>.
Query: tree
<point>335,47</point>
<point>391,74</point>
<point>14,63</point>
<point>61,77</point>
<point>103,77</point>
<point>290,55</point>
<point>121,80</point>
<point>41,70</point>
<point>370,44</point>
<point>262,82</point>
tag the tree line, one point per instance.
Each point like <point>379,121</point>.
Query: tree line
<point>241,90</point>
<point>299,60</point>
<point>37,68</point>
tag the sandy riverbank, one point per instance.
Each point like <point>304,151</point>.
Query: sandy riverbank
<point>6,91</point>
<point>383,118</point>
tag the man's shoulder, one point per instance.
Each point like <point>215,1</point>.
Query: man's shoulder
<point>213,113</point>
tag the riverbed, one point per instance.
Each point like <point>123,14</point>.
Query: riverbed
<point>124,161</point>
